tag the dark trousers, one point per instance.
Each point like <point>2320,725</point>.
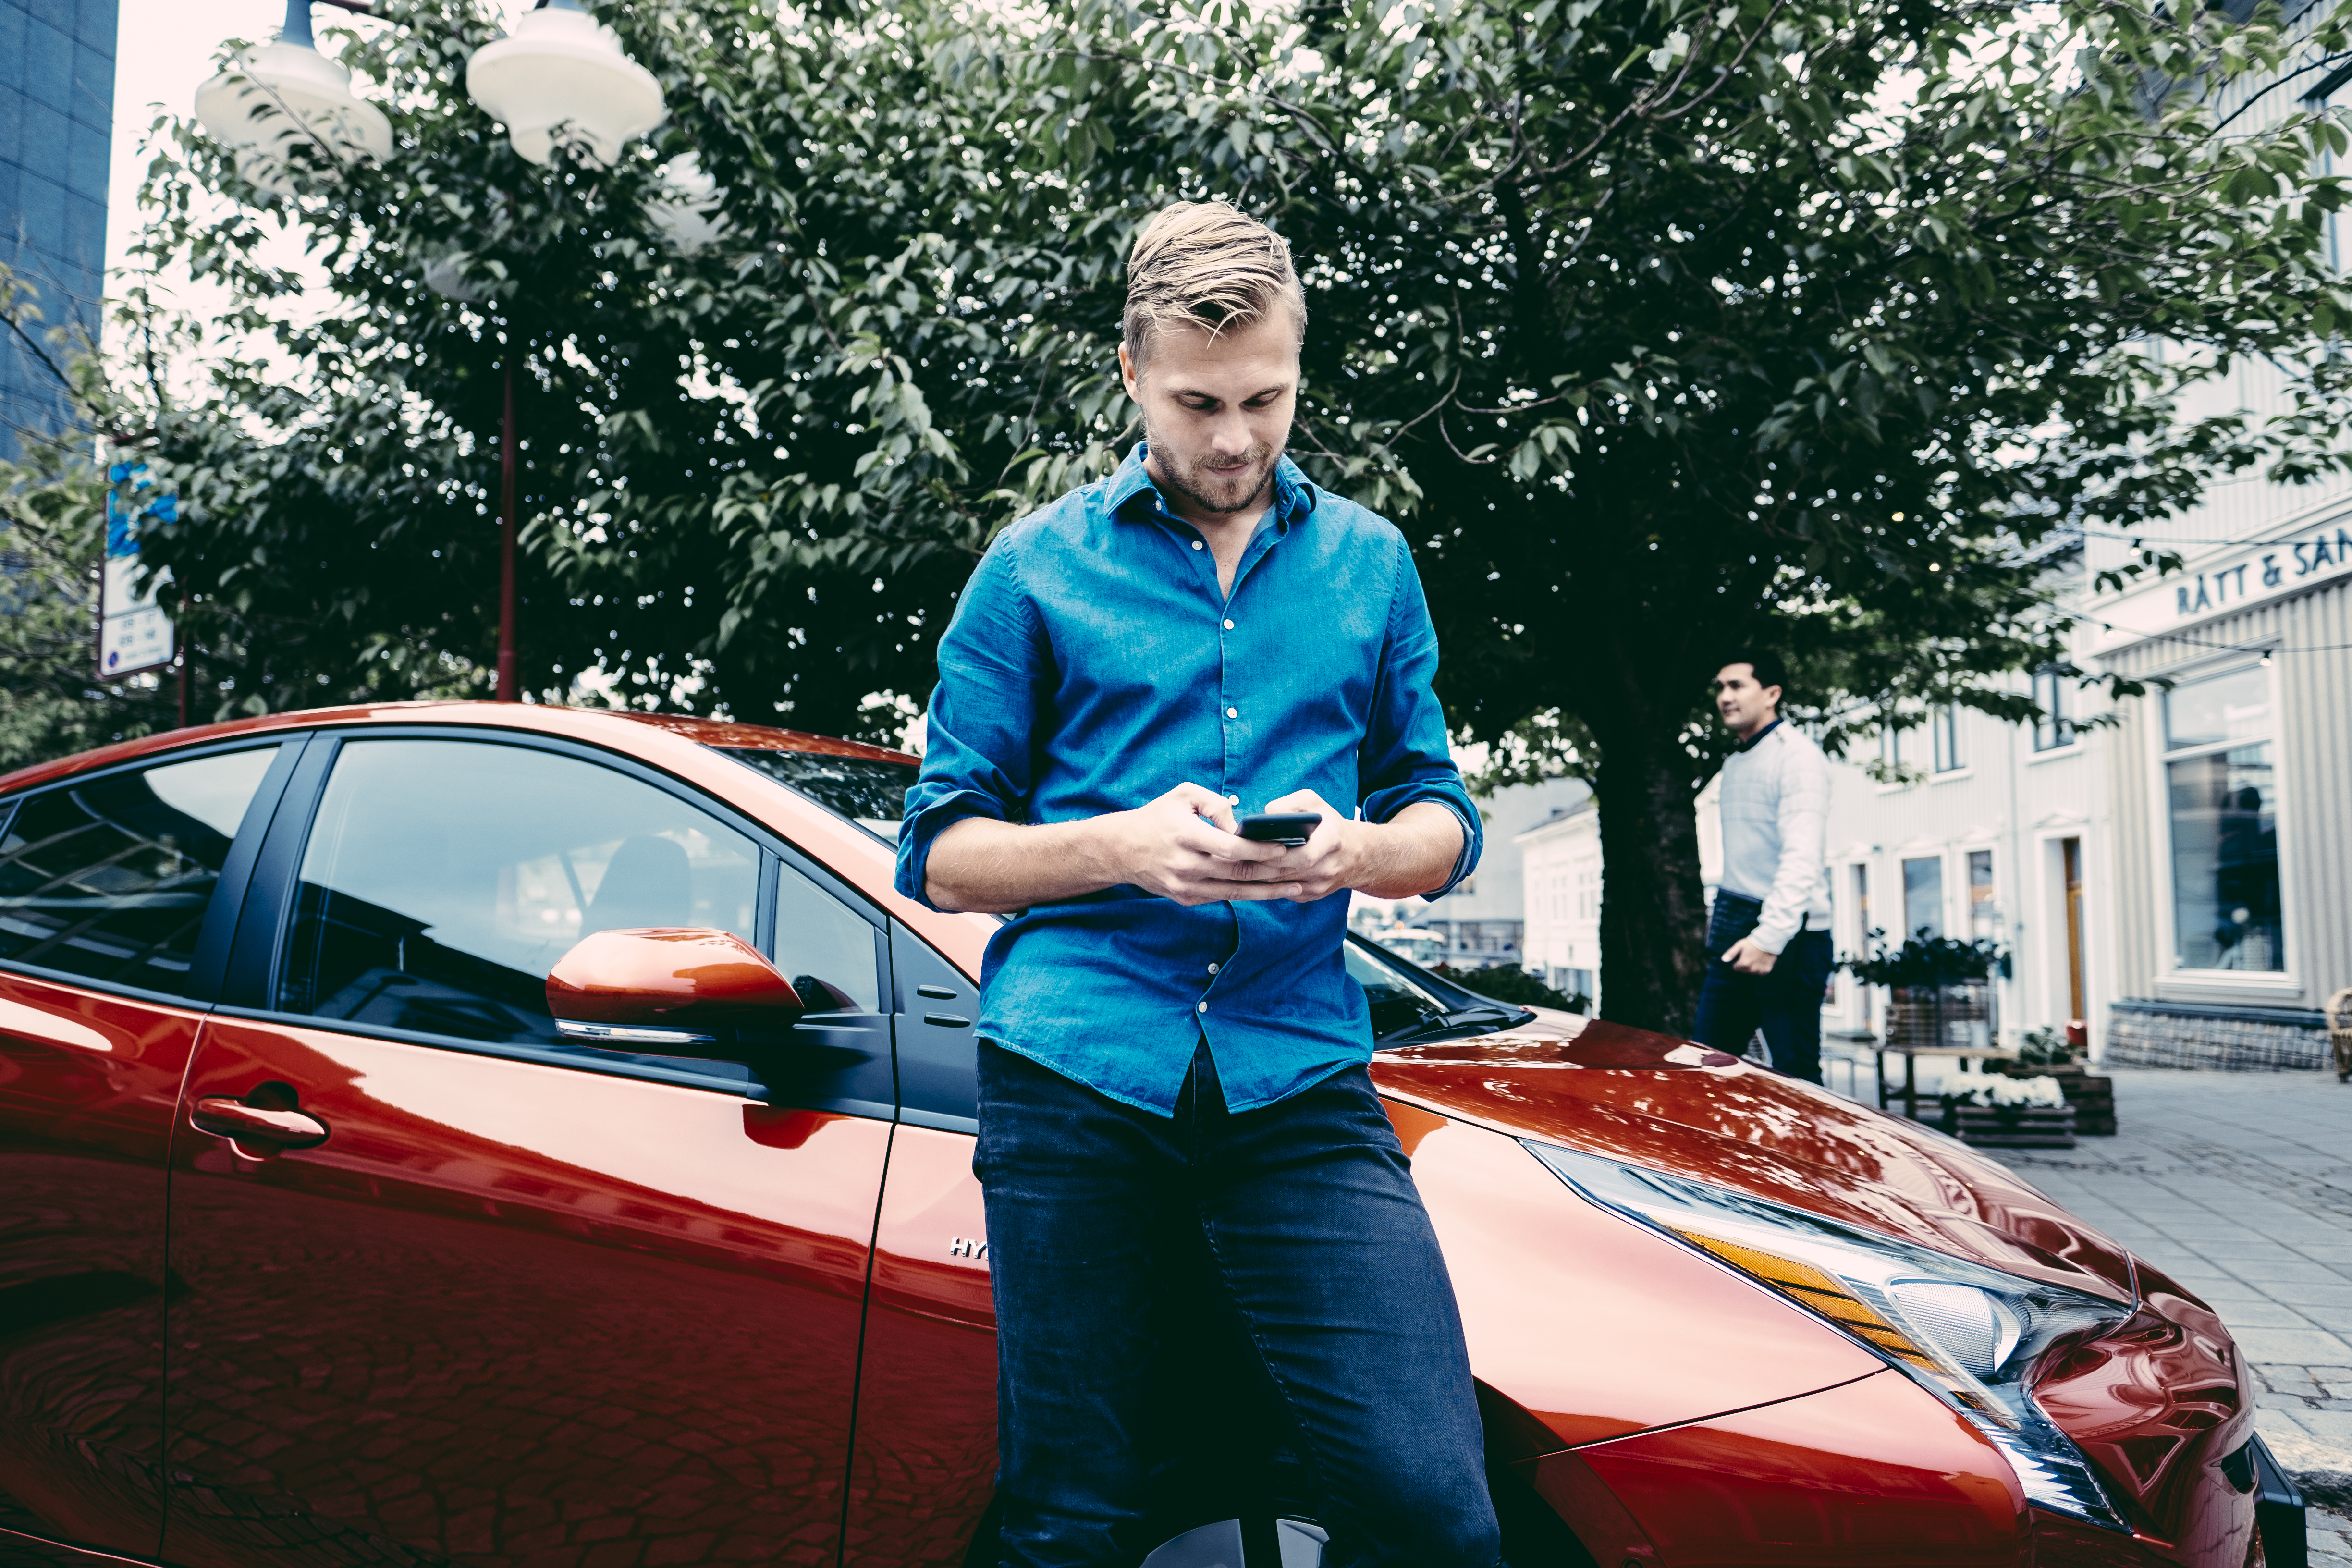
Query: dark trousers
<point>1785,1003</point>
<point>1257,1294</point>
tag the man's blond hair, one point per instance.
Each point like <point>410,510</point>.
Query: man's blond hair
<point>1211,265</point>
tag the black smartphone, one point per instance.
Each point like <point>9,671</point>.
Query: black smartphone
<point>1289,828</point>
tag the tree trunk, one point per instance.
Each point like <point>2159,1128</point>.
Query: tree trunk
<point>1653,911</point>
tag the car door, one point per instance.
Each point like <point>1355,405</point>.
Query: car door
<point>925,1460</point>
<point>458,1289</point>
<point>118,893</point>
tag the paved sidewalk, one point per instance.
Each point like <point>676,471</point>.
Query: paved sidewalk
<point>2240,1187</point>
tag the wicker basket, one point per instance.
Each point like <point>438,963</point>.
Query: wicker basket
<point>2340,1032</point>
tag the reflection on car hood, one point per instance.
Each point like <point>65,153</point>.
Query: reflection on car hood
<point>1672,1106</point>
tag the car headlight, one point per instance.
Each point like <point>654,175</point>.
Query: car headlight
<point>1969,1335</point>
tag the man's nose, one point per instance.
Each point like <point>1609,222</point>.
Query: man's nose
<point>1229,436</point>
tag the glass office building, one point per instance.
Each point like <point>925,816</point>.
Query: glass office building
<point>56,113</point>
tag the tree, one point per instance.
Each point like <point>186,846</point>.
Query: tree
<point>1810,322</point>
<point>1659,326</point>
<point>736,470</point>
<point>52,539</point>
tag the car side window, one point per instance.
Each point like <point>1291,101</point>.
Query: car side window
<point>444,878</point>
<point>824,948</point>
<point>110,879</point>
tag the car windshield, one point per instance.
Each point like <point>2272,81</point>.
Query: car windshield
<point>869,791</point>
<point>1397,1002</point>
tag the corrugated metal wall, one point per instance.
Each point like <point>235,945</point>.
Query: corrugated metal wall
<point>2311,637</point>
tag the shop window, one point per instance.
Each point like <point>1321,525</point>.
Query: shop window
<point>2220,790</point>
<point>1946,725</point>
<point>1984,914</point>
<point>1922,896</point>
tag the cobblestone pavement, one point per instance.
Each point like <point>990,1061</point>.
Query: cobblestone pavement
<point>2240,1187</point>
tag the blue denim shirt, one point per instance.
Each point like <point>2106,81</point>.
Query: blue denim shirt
<point>1092,665</point>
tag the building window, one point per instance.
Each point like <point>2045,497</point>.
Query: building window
<point>1922,896</point>
<point>1984,914</point>
<point>1947,727</point>
<point>2221,793</point>
<point>2053,693</point>
<point>1890,748</point>
<point>1861,928</point>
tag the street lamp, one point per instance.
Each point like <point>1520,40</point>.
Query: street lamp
<point>286,93</point>
<point>558,70</point>
<point>559,78</point>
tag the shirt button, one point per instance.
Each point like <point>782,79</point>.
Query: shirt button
<point>1196,544</point>
<point>1233,800</point>
<point>1228,625</point>
<point>1232,713</point>
<point>1201,1007</point>
<point>1212,969</point>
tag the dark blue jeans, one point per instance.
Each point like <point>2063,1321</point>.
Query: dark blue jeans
<point>1785,1003</point>
<point>1261,1292</point>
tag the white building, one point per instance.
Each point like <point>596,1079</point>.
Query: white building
<point>1483,921</point>
<point>1561,866</point>
<point>1996,830</point>
<point>1999,832</point>
<point>2231,790</point>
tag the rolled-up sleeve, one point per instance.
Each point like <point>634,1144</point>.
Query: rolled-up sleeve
<point>1405,756</point>
<point>979,755</point>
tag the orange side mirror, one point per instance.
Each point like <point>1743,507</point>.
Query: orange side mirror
<point>671,986</point>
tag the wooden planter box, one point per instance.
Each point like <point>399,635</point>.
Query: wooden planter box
<point>2027,1126</point>
<point>2091,1095</point>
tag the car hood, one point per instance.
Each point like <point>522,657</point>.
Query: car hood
<point>1670,1105</point>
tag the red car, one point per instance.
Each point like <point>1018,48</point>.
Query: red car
<point>506,1135</point>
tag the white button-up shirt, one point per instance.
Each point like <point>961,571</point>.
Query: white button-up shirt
<point>1775,806</point>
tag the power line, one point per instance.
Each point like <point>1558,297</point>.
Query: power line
<point>2228,647</point>
<point>2162,538</point>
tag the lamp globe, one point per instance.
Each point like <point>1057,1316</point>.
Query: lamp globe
<point>287,94</point>
<point>561,76</point>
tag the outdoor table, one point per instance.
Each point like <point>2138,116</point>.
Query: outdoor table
<point>1911,1054</point>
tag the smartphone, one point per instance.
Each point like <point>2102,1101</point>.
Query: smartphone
<point>1289,828</point>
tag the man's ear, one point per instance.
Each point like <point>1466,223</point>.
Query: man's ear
<point>1772,698</point>
<point>1129,374</point>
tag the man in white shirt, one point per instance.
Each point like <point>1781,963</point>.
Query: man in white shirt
<point>1768,942</point>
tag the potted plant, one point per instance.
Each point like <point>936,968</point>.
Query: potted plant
<point>2044,1051</point>
<point>1938,987</point>
<point>2063,1056</point>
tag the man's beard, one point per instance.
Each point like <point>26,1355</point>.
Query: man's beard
<point>1211,491</point>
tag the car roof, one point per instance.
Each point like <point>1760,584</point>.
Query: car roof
<point>688,749</point>
<point>592,724</point>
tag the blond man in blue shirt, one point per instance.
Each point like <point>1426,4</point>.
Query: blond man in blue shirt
<point>1182,1153</point>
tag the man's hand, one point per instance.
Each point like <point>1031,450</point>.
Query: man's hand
<point>1185,846</point>
<point>1748,958</point>
<point>1394,859</point>
<point>1181,845</point>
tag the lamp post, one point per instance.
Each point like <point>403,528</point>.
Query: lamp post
<point>559,78</point>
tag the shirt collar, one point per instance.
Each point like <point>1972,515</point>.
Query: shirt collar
<point>1757,740</point>
<point>1294,495</point>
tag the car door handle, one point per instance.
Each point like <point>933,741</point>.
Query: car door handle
<point>948,1020</point>
<point>227,1118</point>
